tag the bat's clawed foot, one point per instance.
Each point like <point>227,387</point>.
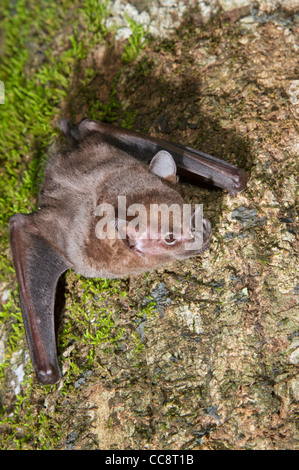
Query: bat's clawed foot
<point>239,182</point>
<point>48,375</point>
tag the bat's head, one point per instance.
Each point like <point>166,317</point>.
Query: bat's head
<point>157,226</point>
<point>166,232</point>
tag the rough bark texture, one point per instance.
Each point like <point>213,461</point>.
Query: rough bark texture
<point>206,352</point>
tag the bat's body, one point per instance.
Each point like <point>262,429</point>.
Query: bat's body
<point>99,165</point>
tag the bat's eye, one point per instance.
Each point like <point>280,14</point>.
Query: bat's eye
<point>170,238</point>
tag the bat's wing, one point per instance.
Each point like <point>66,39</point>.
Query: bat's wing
<point>38,267</point>
<point>210,169</point>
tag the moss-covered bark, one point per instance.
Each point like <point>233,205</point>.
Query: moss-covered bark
<point>203,354</point>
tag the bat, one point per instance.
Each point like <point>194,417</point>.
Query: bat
<point>101,213</point>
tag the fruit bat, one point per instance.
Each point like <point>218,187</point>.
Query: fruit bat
<point>83,182</point>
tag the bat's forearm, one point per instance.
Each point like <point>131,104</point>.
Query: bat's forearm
<point>208,168</point>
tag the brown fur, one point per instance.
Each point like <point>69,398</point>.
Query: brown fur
<point>76,181</point>
<point>96,167</point>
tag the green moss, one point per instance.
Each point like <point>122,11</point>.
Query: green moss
<point>34,92</point>
<point>30,427</point>
<point>136,42</point>
<point>33,95</point>
<point>89,323</point>
<point>44,45</point>
<point>11,315</point>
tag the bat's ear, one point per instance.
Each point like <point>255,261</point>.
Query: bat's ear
<point>163,165</point>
